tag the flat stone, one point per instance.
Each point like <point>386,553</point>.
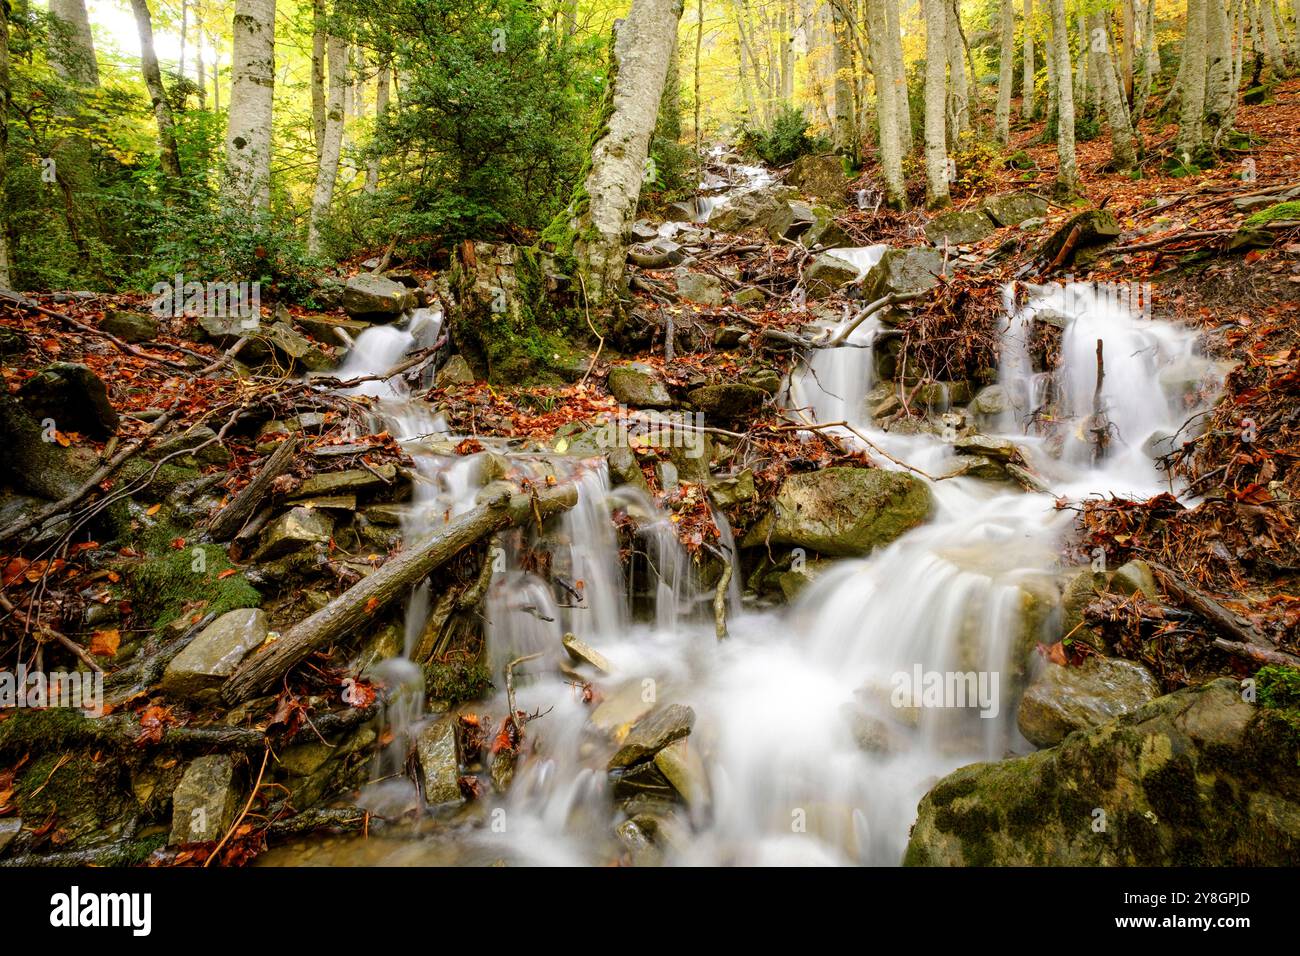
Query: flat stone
<point>622,708</point>
<point>353,480</point>
<point>700,287</point>
<point>583,652</point>
<point>214,654</point>
<point>204,803</point>
<point>1013,209</point>
<point>293,531</point>
<point>298,348</point>
<point>130,327</point>
<point>999,449</point>
<point>326,328</point>
<point>376,298</point>
<point>1062,700</point>
<point>439,757</point>
<point>682,767</point>
<point>651,734</point>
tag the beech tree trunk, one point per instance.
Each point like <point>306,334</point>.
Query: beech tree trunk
<point>381,111</point>
<point>1150,62</point>
<point>1007,53</point>
<point>162,111</point>
<point>643,44</point>
<point>6,279</point>
<point>936,145</point>
<point>318,35</point>
<point>1106,71</point>
<point>959,105</point>
<point>1067,171</point>
<point>1192,92</point>
<point>1220,92</point>
<point>903,106</point>
<point>248,135</point>
<point>1027,78</point>
<point>891,156</point>
<point>71,47</point>
<point>328,168</point>
<point>845,125</point>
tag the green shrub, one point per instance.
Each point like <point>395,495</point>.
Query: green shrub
<point>785,140</point>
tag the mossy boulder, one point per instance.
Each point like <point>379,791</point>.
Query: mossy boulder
<point>821,177</point>
<point>827,274</point>
<point>843,511</point>
<point>1011,209</point>
<point>1283,211</point>
<point>959,227</point>
<point>130,326</point>
<point>1097,227</point>
<point>1200,777</point>
<point>376,299</point>
<point>727,401</point>
<point>902,271</point>
<point>186,581</point>
<point>72,396</point>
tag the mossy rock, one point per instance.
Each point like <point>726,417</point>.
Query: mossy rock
<point>163,588</point>
<point>1283,211</point>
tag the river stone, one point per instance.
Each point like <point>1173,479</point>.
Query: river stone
<point>682,767</point>
<point>10,827</point>
<point>652,734</point>
<point>584,653</point>
<point>1080,589</point>
<point>638,386</point>
<point>977,466</point>
<point>1097,227</point>
<point>624,469</point>
<point>1199,777</point>
<point>959,227</point>
<point>999,449</point>
<point>790,219</point>
<point>326,328</point>
<point>826,274</point>
<point>1062,700</point>
<point>130,326</point>
<point>843,511</point>
<point>439,757</point>
<point>825,232</point>
<point>748,297</point>
<point>73,396</point>
<point>642,780</point>
<point>293,531</point>
<point>214,654</point>
<point>732,489</point>
<point>375,298</point>
<point>352,481</point>
<point>1012,209</point>
<point>455,371</point>
<point>700,287</point>
<point>902,271</point>
<point>744,210</point>
<point>727,400</point>
<point>1135,577</point>
<point>192,438</point>
<point>992,400</point>
<point>204,803</point>
<point>821,177</point>
<point>793,581</point>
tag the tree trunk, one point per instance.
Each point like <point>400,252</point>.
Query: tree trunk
<point>1272,44</point>
<point>381,111</point>
<point>1006,56</point>
<point>936,146</point>
<point>845,125</point>
<point>1220,93</point>
<point>891,155</point>
<point>318,34</point>
<point>959,104</point>
<point>1067,171</point>
<point>248,136</point>
<point>72,48</point>
<point>6,277</point>
<point>328,168</point>
<point>643,43</point>
<point>1105,69</point>
<point>1126,58</point>
<point>898,69</point>
<point>1192,94</point>
<point>162,111</point>
<point>350,610</point>
<point>1150,62</point>
<point>1027,79</point>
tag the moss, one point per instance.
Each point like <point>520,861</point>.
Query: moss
<point>137,852</point>
<point>1278,686</point>
<point>1282,211</point>
<point>26,729</point>
<point>163,588</point>
<point>458,681</point>
<point>1172,792</point>
<point>974,827</point>
<point>165,481</point>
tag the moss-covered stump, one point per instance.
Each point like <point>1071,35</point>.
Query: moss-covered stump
<point>1198,777</point>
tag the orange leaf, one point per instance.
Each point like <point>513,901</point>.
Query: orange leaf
<point>153,510</point>
<point>105,643</point>
<point>372,604</point>
<point>227,573</point>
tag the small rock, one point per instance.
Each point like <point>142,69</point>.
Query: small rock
<point>682,767</point>
<point>959,228</point>
<point>456,371</point>
<point>727,400</point>
<point>583,652</point>
<point>748,297</point>
<point>10,827</point>
<point>214,654</point>
<point>293,531</point>
<point>439,757</point>
<point>1135,577</point>
<point>204,803</point>
<point>353,481</point>
<point>1014,209</point>
<point>130,327</point>
<point>651,734</point>
<point>298,348</point>
<point>1097,227</point>
<point>700,287</point>
<point>992,400</point>
<point>826,274</point>
<point>638,386</point>
<point>999,449</point>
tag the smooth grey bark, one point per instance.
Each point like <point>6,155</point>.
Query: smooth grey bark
<point>381,111</point>
<point>891,154</point>
<point>1150,58</point>
<point>318,35</point>
<point>845,119</point>
<point>1220,91</point>
<point>1027,78</point>
<point>1067,171</point>
<point>1006,56</point>
<point>1192,92</point>
<point>643,46</point>
<point>72,48</point>
<point>162,111</point>
<point>327,169</point>
<point>252,87</point>
<point>898,69</point>
<point>936,144</point>
<point>1106,72</point>
<point>959,101</point>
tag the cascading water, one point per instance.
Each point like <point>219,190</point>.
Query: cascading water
<point>810,755</point>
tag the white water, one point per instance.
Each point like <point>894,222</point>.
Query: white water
<point>787,783</point>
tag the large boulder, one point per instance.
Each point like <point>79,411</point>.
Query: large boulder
<point>843,511</point>
<point>1199,777</point>
<point>959,227</point>
<point>375,298</point>
<point>740,211</point>
<point>73,396</point>
<point>1011,209</point>
<point>727,400</point>
<point>1062,700</point>
<point>821,177</point>
<point>902,271</point>
<point>215,653</point>
<point>790,220</point>
<point>130,326</point>
<point>825,232</point>
<point>826,274</point>
<point>700,287</point>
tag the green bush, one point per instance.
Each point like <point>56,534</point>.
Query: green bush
<point>785,140</point>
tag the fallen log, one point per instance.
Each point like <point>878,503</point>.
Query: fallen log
<point>350,609</point>
<point>1223,620</point>
<point>232,517</point>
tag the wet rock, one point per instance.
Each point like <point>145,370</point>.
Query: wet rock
<point>351,481</point>
<point>999,449</point>
<point>204,803</point>
<point>652,734</point>
<point>991,401</point>
<point>942,395</point>
<point>667,476</point>
<point>1013,209</point>
<point>821,177</point>
<point>870,733</point>
<point>682,767</point>
<point>225,330</point>
<point>10,827</point>
<point>1097,227</point>
<point>439,757</point>
<point>1081,589</point>
<point>732,489</point>
<point>826,274</point>
<point>959,228</point>
<point>978,466</point>
<point>622,709</point>
<point>326,328</point>
<point>638,386</point>
<point>790,220</point>
<point>793,581</point>
<point>456,371</point>
<point>727,400</point>
<point>1062,700</point>
<point>642,780</point>
<point>293,531</point>
<point>843,511</point>
<point>214,654</point>
<point>375,298</point>
<point>643,230</point>
<point>584,653</point>
<point>73,396</point>
<point>902,271</point>
<point>130,326</point>
<point>1135,577</point>
<point>1198,777</point>
<point>767,379</point>
<point>700,287</point>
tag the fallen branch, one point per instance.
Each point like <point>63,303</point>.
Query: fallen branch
<point>720,602</point>
<point>1257,654</point>
<point>1211,610</point>
<point>44,633</point>
<point>347,612</point>
<point>232,517</point>
<point>26,303</point>
<point>883,302</point>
